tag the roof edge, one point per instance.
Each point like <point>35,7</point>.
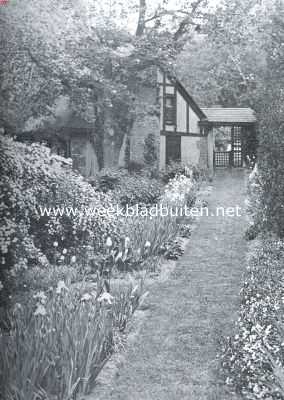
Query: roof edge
<point>186,96</point>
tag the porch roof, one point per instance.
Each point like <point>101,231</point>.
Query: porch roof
<point>230,115</point>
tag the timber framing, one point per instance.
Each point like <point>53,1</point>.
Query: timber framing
<point>210,124</point>
<point>189,100</point>
<point>178,133</point>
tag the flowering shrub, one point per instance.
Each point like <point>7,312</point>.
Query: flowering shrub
<point>179,191</point>
<point>31,177</point>
<point>254,358</point>
<point>177,168</point>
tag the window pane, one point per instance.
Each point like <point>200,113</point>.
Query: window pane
<point>169,102</point>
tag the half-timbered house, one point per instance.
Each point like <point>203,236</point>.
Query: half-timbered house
<point>182,131</point>
<point>207,137</point>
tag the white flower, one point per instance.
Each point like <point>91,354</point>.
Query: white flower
<point>73,259</point>
<point>118,256</point>
<point>41,296</point>
<point>134,290</point>
<point>106,297</point>
<point>62,257</point>
<point>40,310</point>
<point>108,242</point>
<point>147,244</point>
<point>18,307</point>
<point>127,242</point>
<point>61,286</point>
<point>86,297</point>
<point>64,251</point>
<point>55,244</point>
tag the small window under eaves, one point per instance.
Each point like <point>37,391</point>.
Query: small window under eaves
<point>170,109</point>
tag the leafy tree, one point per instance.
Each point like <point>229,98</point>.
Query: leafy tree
<point>225,63</point>
<point>271,137</point>
<point>81,51</point>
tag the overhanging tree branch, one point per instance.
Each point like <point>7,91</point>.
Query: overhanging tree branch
<point>49,73</point>
<point>189,19</point>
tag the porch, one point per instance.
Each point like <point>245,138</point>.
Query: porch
<point>231,136</point>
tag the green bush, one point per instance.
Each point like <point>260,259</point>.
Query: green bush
<point>266,187</point>
<point>138,190</point>
<point>253,360</point>
<point>126,188</point>
<point>32,178</point>
<point>108,179</point>
<point>271,167</point>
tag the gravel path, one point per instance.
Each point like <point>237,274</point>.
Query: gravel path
<point>174,355</point>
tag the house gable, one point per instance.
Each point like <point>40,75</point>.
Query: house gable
<point>180,114</point>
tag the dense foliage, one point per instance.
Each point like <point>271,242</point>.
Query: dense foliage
<point>254,358</point>
<point>33,180</point>
<point>271,138</point>
<point>129,188</point>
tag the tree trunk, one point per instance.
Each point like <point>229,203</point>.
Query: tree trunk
<point>141,20</point>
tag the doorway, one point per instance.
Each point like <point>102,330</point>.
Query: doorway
<point>173,149</point>
<point>228,147</point>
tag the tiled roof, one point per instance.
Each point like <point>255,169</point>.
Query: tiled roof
<point>230,115</point>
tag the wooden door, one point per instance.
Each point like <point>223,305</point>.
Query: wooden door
<point>173,148</point>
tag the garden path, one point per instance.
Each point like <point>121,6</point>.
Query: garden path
<point>174,354</point>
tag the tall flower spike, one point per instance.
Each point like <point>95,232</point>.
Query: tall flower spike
<point>61,286</point>
<point>108,242</point>
<point>127,242</point>
<point>40,310</point>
